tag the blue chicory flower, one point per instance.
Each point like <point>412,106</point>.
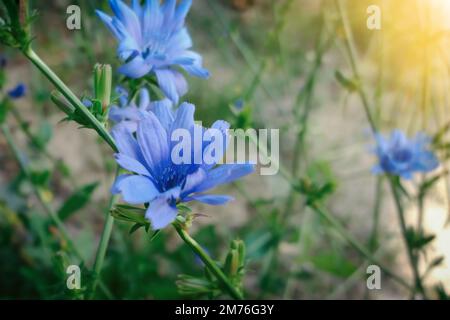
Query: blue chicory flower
<point>18,91</point>
<point>402,157</point>
<point>153,39</point>
<point>129,113</point>
<point>158,180</point>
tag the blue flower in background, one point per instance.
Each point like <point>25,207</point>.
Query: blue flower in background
<point>153,39</point>
<point>129,113</point>
<point>18,91</point>
<point>402,157</point>
<point>157,179</point>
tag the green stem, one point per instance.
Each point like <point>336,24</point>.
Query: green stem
<point>351,52</point>
<point>70,96</point>
<point>208,262</point>
<point>373,240</point>
<point>104,242</point>
<point>411,256</point>
<point>356,244</point>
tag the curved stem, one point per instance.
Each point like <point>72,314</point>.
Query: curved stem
<point>70,96</point>
<point>104,242</point>
<point>208,262</point>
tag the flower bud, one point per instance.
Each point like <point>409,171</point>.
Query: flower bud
<point>102,84</point>
<point>232,263</point>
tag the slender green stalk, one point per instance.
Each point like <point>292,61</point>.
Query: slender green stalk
<point>411,256</point>
<point>373,240</point>
<point>104,242</point>
<point>351,52</point>
<point>56,220</point>
<point>208,262</point>
<point>305,95</point>
<point>70,96</point>
<point>356,244</point>
<point>352,57</point>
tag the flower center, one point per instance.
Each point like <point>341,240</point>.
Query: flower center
<point>402,155</point>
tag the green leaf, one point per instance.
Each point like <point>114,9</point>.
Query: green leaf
<point>334,263</point>
<point>418,240</point>
<point>155,234</point>
<point>128,213</point>
<point>428,183</point>
<point>442,294</point>
<point>436,262</point>
<point>136,227</point>
<point>77,201</point>
<point>183,208</point>
<point>350,84</point>
<point>40,178</point>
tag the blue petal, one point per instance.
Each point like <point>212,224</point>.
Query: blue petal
<point>162,211</point>
<point>195,68</point>
<point>193,180</point>
<point>180,83</point>
<point>128,18</point>
<point>136,68</point>
<point>131,164</point>
<point>222,126</point>
<point>126,143</point>
<point>211,199</point>
<point>185,117</point>
<point>181,12</point>
<point>144,99</point>
<point>152,17</point>
<point>181,41</point>
<point>223,174</point>
<point>18,91</point>
<point>119,179</point>
<point>136,189</point>
<point>163,111</point>
<point>117,114</point>
<point>427,161</point>
<point>166,81</point>
<point>153,142</point>
<point>109,23</point>
<point>168,9</point>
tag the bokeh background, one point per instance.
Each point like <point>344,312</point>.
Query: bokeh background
<point>279,58</point>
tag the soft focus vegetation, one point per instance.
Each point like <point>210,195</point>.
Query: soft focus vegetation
<point>309,68</point>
